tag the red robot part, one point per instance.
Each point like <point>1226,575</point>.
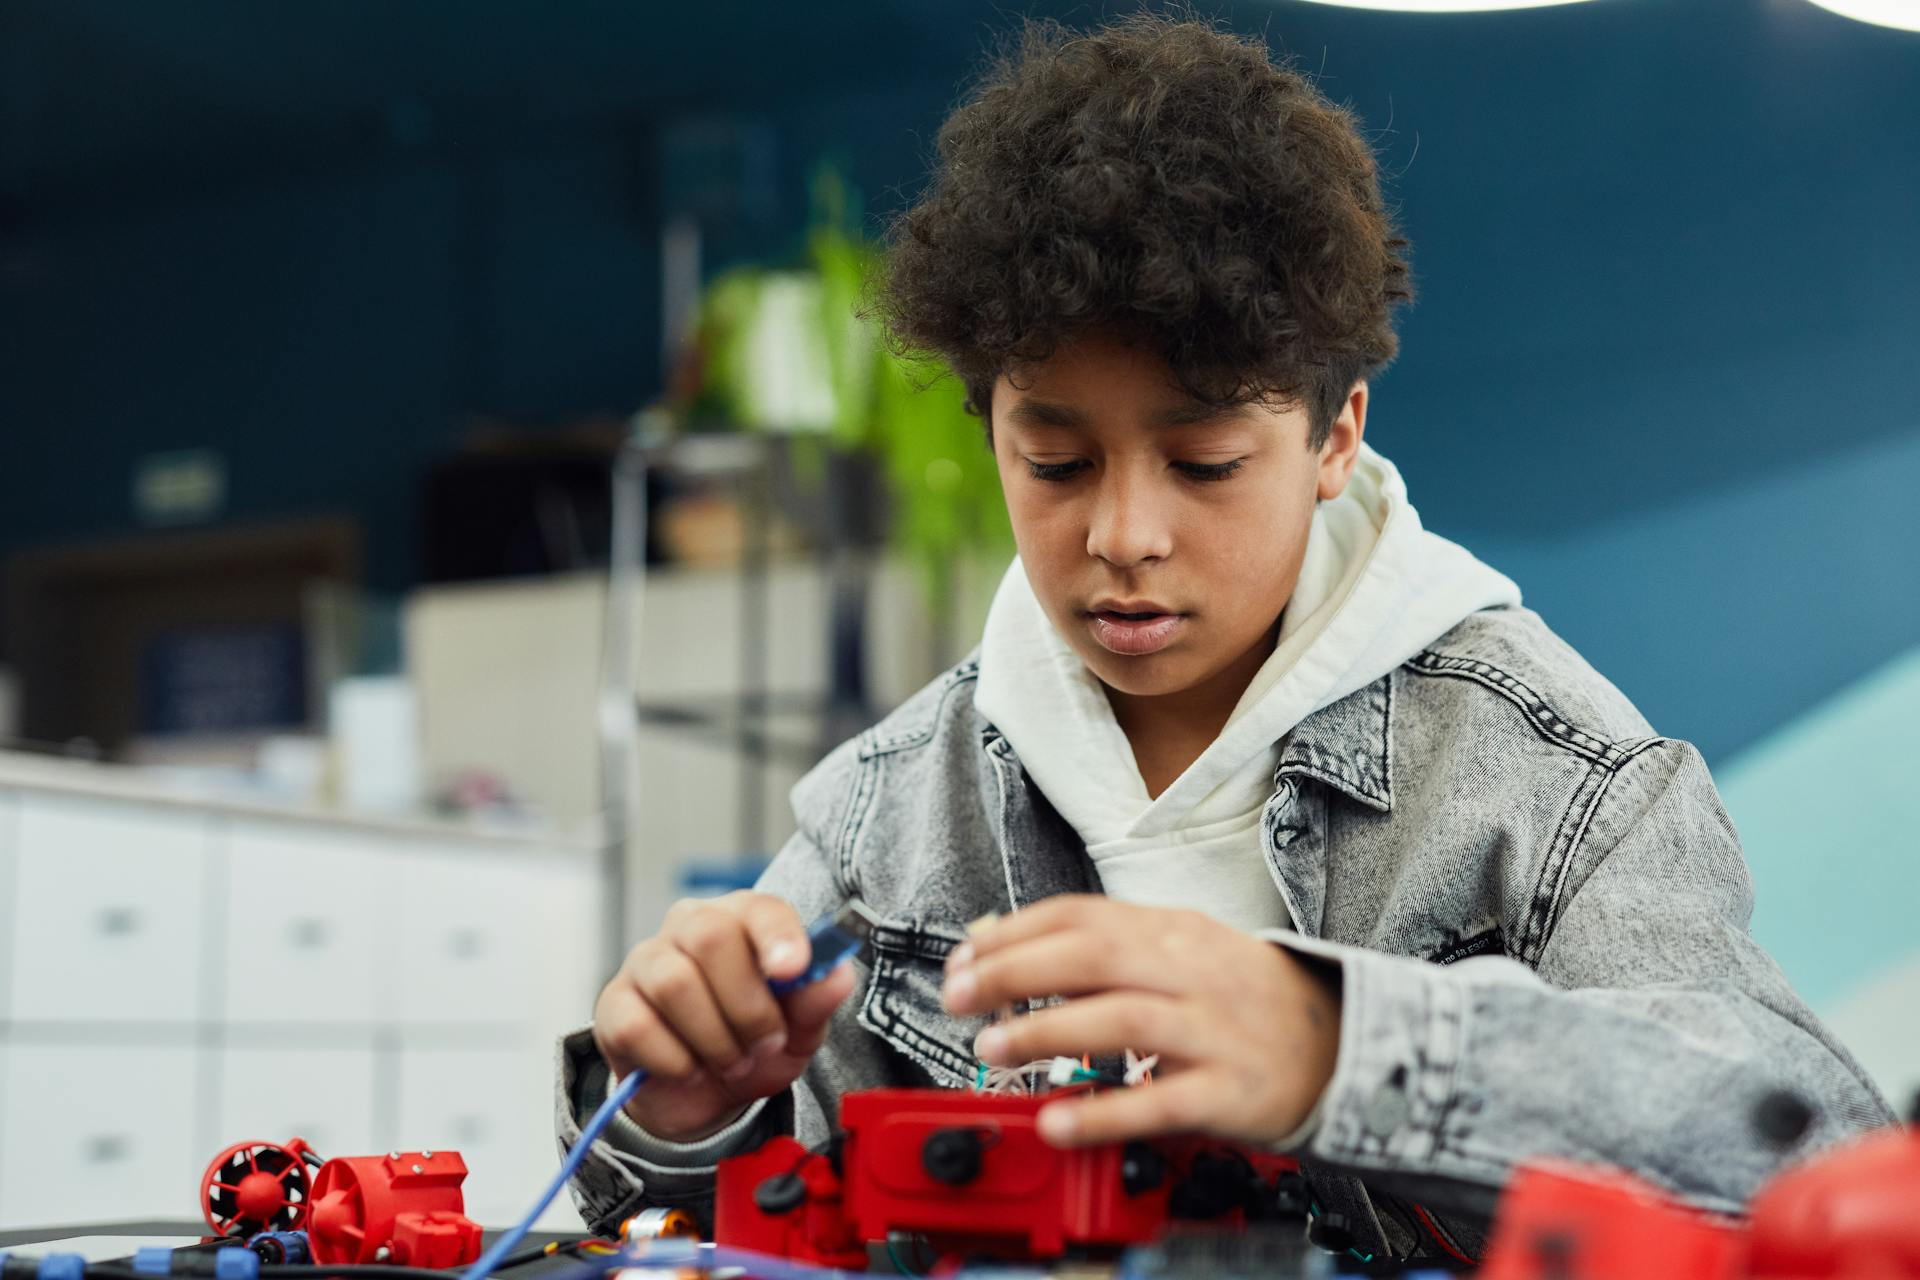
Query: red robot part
<point>405,1208</point>
<point>1854,1212</point>
<point>786,1201</point>
<point>253,1187</point>
<point>970,1173</point>
<point>973,1167</point>
<point>1568,1222</point>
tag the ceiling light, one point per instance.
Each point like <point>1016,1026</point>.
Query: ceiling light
<point>1904,14</point>
<point>1470,6</point>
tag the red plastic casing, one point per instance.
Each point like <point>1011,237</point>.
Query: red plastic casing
<point>1854,1212</point>
<point>1572,1222</point>
<point>1028,1199</point>
<point>1036,1198</point>
<point>271,1193</point>
<point>817,1231</point>
<point>408,1203</point>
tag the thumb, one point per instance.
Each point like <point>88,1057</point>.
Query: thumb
<point>810,1009</point>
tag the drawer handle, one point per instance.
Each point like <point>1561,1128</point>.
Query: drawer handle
<point>307,933</point>
<point>467,943</point>
<point>106,1148</point>
<point>117,922</point>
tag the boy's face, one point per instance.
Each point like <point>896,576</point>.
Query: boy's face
<point>1129,498</point>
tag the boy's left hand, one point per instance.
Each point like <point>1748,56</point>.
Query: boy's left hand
<point>1247,1034</point>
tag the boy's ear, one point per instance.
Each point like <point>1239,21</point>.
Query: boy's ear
<point>1342,448</point>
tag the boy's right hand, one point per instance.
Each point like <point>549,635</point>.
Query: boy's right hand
<point>691,1007</point>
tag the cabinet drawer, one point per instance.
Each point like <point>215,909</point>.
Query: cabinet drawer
<point>97,1134</point>
<point>107,912</point>
<point>493,1106</point>
<point>322,1095</point>
<point>466,954</point>
<point>309,925</point>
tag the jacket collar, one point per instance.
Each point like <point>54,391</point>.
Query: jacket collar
<point>1348,745</point>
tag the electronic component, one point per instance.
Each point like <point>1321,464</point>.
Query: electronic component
<point>253,1187</point>
<point>404,1207</point>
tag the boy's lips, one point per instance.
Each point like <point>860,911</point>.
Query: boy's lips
<point>1132,632</point>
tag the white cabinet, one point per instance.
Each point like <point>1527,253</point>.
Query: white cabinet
<point>176,978</point>
<point>466,949</point>
<point>311,920</point>
<point>111,902</point>
<point>92,1134</point>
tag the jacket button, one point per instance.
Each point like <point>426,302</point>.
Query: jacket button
<point>1387,1111</point>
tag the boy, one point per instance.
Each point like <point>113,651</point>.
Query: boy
<point>1258,775</point>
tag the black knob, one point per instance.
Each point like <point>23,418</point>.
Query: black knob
<point>1141,1168</point>
<point>952,1156</point>
<point>782,1193</point>
<point>1291,1199</point>
<point>1782,1118</point>
<point>1216,1183</point>
<point>1331,1232</point>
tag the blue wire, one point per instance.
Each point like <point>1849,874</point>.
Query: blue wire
<point>617,1098</point>
<point>832,940</point>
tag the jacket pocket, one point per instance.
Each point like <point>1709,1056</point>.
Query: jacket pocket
<point>902,1001</point>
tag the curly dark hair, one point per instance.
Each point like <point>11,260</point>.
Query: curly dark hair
<point>1163,181</point>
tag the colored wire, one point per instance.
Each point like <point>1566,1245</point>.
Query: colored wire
<point>617,1098</point>
<point>1434,1230</point>
<point>899,1263</point>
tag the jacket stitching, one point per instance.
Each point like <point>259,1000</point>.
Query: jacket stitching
<point>1002,767</point>
<point>898,1032</point>
<point>920,734</point>
<point>1386,739</point>
<point>1547,722</point>
<point>1558,864</point>
<point>1559,852</point>
<point>1302,768</point>
<point>1374,786</point>
<point>865,787</point>
<point>1565,870</point>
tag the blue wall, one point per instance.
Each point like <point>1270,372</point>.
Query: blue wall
<point>1660,368</point>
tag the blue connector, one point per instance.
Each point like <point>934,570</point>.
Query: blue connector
<point>833,940</point>
<point>236,1264</point>
<point>281,1247</point>
<point>153,1260</point>
<point>63,1266</point>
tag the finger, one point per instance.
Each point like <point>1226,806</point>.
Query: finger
<point>1185,1103</point>
<point>673,985</point>
<point>1063,911</point>
<point>717,943</point>
<point>778,934</point>
<point>631,1037</point>
<point>1072,961</point>
<point>1145,1022</point>
<point>810,1010</point>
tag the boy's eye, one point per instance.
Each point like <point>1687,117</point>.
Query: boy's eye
<point>1209,470</point>
<point>1059,471</point>
<point>1054,471</point>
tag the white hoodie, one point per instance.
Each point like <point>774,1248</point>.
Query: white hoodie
<point>1375,588</point>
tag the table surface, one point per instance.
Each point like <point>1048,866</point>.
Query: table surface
<point>170,1232</point>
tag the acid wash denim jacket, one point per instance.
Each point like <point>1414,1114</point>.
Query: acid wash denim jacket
<point>1539,908</point>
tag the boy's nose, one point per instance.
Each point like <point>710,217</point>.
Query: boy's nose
<point>1128,525</point>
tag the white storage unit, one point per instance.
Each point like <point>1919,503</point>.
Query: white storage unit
<point>176,976</point>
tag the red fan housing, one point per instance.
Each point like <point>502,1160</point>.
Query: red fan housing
<point>257,1186</point>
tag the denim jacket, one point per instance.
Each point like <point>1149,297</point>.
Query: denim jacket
<point>1539,908</point>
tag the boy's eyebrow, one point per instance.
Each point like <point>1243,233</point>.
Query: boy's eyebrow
<point>1045,413</point>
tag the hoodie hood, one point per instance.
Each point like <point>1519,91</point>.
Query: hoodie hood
<point>1375,588</point>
